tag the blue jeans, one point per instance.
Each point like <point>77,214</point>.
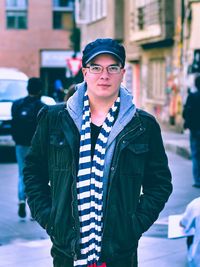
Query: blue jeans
<point>195,153</point>
<point>21,152</point>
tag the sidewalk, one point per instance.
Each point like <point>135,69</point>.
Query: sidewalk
<point>152,252</point>
<point>177,143</point>
<point>26,254</point>
<point>160,252</point>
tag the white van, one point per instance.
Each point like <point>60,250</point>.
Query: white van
<point>13,84</point>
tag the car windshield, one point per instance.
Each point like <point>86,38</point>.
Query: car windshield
<point>12,89</point>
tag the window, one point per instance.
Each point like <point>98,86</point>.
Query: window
<point>82,11</point>
<point>157,79</point>
<point>140,17</point>
<point>63,3</point>
<point>16,14</point>
<point>90,10</point>
<point>148,13</point>
<point>98,9</point>
<point>63,14</point>
<point>146,19</point>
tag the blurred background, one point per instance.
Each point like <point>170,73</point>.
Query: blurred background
<point>45,38</point>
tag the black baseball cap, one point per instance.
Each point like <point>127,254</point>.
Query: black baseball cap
<point>103,46</point>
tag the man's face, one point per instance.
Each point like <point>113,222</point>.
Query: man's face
<point>104,85</point>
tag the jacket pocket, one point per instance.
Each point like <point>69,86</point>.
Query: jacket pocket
<point>133,161</point>
<point>138,148</point>
<point>125,235</point>
<point>60,153</point>
<point>57,139</point>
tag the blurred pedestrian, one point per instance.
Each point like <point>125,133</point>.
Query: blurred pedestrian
<point>191,113</point>
<point>97,174</point>
<point>58,90</point>
<point>24,113</point>
<point>191,220</point>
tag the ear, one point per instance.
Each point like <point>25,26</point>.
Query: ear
<point>123,71</point>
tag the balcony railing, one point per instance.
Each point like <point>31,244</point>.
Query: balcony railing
<point>151,20</point>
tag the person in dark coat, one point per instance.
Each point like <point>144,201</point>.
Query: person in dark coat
<point>24,113</point>
<point>191,113</point>
<point>97,174</point>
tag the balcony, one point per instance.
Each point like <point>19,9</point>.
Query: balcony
<point>152,22</point>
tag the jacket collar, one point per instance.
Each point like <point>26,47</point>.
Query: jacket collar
<point>71,134</point>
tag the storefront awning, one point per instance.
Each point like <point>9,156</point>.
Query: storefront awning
<point>55,58</point>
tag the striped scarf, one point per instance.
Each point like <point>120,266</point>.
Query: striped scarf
<point>90,185</point>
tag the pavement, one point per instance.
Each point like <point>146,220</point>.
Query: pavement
<point>154,249</point>
<point>177,143</point>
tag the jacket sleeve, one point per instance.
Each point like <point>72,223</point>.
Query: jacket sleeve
<point>36,177</point>
<point>157,185</point>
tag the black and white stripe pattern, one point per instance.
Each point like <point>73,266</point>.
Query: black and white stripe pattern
<point>90,185</point>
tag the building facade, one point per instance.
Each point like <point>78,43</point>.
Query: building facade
<point>152,29</point>
<point>100,19</point>
<point>35,37</point>
<point>149,29</point>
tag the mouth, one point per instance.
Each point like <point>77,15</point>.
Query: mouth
<point>104,85</point>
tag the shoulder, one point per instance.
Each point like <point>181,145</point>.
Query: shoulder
<point>19,101</point>
<point>17,104</point>
<point>51,111</point>
<point>193,95</point>
<point>148,121</point>
<point>144,115</point>
<point>193,99</point>
<point>56,108</point>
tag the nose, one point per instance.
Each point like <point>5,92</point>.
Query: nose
<point>104,74</point>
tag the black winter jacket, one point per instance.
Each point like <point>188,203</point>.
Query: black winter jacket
<point>139,183</point>
<point>22,130</point>
<point>191,112</point>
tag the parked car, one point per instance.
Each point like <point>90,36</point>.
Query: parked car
<point>13,84</point>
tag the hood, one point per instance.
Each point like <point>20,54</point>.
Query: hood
<point>126,112</point>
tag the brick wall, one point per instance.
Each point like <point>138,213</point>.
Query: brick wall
<point>21,48</point>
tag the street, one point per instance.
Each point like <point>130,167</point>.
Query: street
<point>16,231</point>
<point>183,192</point>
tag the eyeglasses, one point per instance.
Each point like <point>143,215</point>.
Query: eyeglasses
<point>97,69</point>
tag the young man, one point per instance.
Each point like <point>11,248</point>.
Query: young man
<point>97,175</point>
<point>24,113</point>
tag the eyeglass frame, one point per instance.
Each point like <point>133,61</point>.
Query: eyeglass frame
<point>102,68</point>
